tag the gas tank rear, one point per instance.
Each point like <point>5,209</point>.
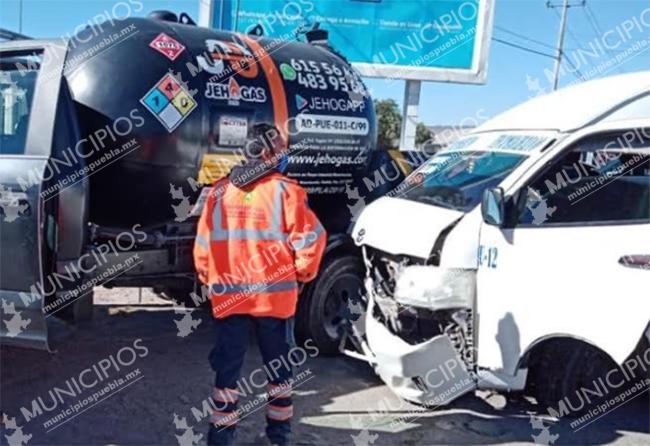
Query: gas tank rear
<point>161,104</point>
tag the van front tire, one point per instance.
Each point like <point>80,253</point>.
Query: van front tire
<point>559,369</point>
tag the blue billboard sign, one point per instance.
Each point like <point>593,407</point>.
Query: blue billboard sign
<point>434,40</point>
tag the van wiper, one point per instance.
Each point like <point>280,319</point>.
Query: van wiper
<point>438,202</point>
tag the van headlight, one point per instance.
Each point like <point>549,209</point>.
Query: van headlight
<point>435,288</point>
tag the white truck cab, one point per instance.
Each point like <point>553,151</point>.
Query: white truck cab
<point>519,257</point>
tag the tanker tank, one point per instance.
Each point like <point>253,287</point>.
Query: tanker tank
<point>171,105</point>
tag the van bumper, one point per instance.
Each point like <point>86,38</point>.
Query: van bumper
<point>430,373</point>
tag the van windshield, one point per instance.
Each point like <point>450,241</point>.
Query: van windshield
<point>17,84</point>
<point>457,179</point>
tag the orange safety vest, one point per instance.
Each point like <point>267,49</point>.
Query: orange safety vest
<point>255,244</point>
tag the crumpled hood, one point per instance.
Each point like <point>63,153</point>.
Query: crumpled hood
<point>402,227</point>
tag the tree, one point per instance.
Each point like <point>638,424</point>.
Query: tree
<point>422,134</point>
<point>389,124</point>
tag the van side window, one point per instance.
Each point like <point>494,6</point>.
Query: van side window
<point>603,178</point>
<point>18,73</point>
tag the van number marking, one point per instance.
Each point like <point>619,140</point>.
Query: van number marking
<point>487,256</point>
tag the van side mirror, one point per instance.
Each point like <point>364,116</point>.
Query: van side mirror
<point>493,207</point>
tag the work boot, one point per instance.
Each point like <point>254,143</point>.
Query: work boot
<point>221,436</point>
<point>263,439</point>
<point>278,432</point>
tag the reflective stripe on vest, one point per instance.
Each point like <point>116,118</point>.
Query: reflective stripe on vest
<point>273,233</point>
<point>260,287</point>
<point>202,242</point>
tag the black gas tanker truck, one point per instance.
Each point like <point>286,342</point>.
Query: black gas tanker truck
<point>110,140</point>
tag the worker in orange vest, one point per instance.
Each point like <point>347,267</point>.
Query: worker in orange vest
<point>257,242</point>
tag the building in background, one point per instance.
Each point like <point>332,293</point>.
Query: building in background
<point>443,135</point>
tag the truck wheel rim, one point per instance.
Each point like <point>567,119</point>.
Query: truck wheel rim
<point>338,296</point>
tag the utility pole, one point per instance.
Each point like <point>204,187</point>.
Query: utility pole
<point>20,16</point>
<point>560,38</point>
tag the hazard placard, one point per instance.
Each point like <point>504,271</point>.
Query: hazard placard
<point>167,46</point>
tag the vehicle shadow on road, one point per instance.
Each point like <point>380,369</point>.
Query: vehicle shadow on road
<point>53,398</point>
<point>379,418</point>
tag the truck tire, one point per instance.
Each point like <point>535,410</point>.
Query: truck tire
<point>83,307</point>
<point>79,310</point>
<point>560,368</point>
<point>322,304</point>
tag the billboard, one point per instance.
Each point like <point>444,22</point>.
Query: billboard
<point>426,40</point>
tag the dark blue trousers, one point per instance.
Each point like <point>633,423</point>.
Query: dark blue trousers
<point>275,340</point>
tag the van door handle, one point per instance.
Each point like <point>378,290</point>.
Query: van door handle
<point>640,261</point>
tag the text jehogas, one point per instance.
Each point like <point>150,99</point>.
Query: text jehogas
<point>234,93</point>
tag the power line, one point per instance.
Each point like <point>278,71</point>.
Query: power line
<point>569,31</point>
<point>576,71</point>
<point>550,4</point>
<point>598,33</point>
<point>566,4</point>
<point>523,48</point>
<point>582,48</point>
<point>576,40</point>
<point>596,28</point>
<point>521,36</point>
<point>563,52</point>
<point>593,21</point>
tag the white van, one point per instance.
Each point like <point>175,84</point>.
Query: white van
<point>519,257</point>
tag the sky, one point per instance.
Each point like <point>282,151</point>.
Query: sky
<point>514,75</point>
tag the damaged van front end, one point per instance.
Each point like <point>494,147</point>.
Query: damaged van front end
<point>420,251</point>
<point>418,328</point>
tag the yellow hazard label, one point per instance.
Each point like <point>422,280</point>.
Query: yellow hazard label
<point>215,166</point>
<point>183,102</point>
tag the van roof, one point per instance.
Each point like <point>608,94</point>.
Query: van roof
<point>572,107</point>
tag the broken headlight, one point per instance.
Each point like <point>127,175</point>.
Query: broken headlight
<point>435,288</point>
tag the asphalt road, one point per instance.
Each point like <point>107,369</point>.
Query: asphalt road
<point>130,378</point>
